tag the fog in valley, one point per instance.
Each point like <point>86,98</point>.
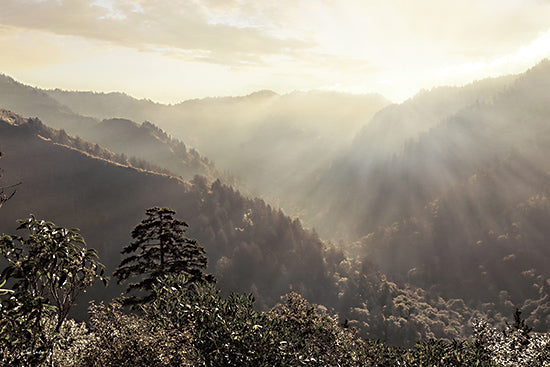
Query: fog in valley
<point>274,145</point>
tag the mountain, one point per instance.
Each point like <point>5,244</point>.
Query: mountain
<point>148,142</point>
<point>143,142</point>
<point>275,145</point>
<point>105,200</point>
<point>251,246</point>
<point>30,101</point>
<point>377,181</point>
<point>458,205</point>
<point>395,181</point>
<point>391,128</point>
<point>442,201</point>
<point>62,138</point>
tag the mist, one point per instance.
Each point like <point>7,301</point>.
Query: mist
<point>390,166</point>
<point>426,213</point>
<point>273,145</point>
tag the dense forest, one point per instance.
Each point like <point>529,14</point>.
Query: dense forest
<point>135,142</point>
<point>183,320</point>
<point>274,145</point>
<point>461,208</point>
<point>430,217</point>
<point>252,247</point>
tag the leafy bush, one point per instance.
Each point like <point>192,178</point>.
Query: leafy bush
<point>514,346</point>
<point>435,352</point>
<point>50,268</point>
<point>226,331</point>
<point>23,341</point>
<point>307,335</point>
<point>129,340</point>
<point>71,340</point>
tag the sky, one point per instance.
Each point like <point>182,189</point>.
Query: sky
<point>173,50</point>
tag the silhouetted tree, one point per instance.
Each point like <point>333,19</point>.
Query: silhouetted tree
<point>159,249</point>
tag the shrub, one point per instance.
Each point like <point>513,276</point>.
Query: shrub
<point>129,340</point>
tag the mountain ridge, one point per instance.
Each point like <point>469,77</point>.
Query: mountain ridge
<point>166,152</point>
<point>251,246</point>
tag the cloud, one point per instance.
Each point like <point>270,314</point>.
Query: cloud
<point>149,25</point>
<point>399,46</point>
<point>245,32</point>
<point>473,28</point>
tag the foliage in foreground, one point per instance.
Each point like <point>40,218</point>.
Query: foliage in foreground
<point>118,339</point>
<point>189,323</point>
<point>197,326</point>
<point>228,331</point>
<point>516,345</point>
<point>49,269</point>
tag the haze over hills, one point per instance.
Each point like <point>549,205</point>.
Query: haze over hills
<point>273,144</point>
<point>327,113</point>
<point>251,246</point>
<point>379,169</point>
<point>393,127</point>
<point>477,127</point>
<point>459,204</point>
<point>145,141</point>
<point>439,204</point>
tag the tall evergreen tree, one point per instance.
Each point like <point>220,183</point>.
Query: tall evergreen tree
<point>160,248</point>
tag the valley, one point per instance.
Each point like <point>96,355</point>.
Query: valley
<point>425,214</point>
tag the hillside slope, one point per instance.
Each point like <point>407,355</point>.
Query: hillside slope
<point>275,145</point>
<point>106,200</point>
<point>461,208</point>
<point>138,142</point>
<point>251,246</point>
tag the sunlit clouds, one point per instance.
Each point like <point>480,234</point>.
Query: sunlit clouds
<point>170,50</point>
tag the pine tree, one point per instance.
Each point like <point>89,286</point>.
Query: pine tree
<point>159,249</point>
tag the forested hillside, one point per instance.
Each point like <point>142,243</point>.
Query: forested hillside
<point>137,142</point>
<point>379,179</point>
<point>275,145</point>
<point>106,200</point>
<point>460,206</point>
<point>438,206</point>
<point>251,246</point>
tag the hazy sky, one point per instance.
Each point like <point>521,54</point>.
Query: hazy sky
<point>172,50</point>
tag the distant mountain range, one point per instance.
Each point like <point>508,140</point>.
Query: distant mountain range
<point>251,246</point>
<point>273,144</point>
<point>145,141</point>
<point>439,205</point>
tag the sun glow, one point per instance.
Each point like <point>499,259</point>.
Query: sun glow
<point>189,49</point>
